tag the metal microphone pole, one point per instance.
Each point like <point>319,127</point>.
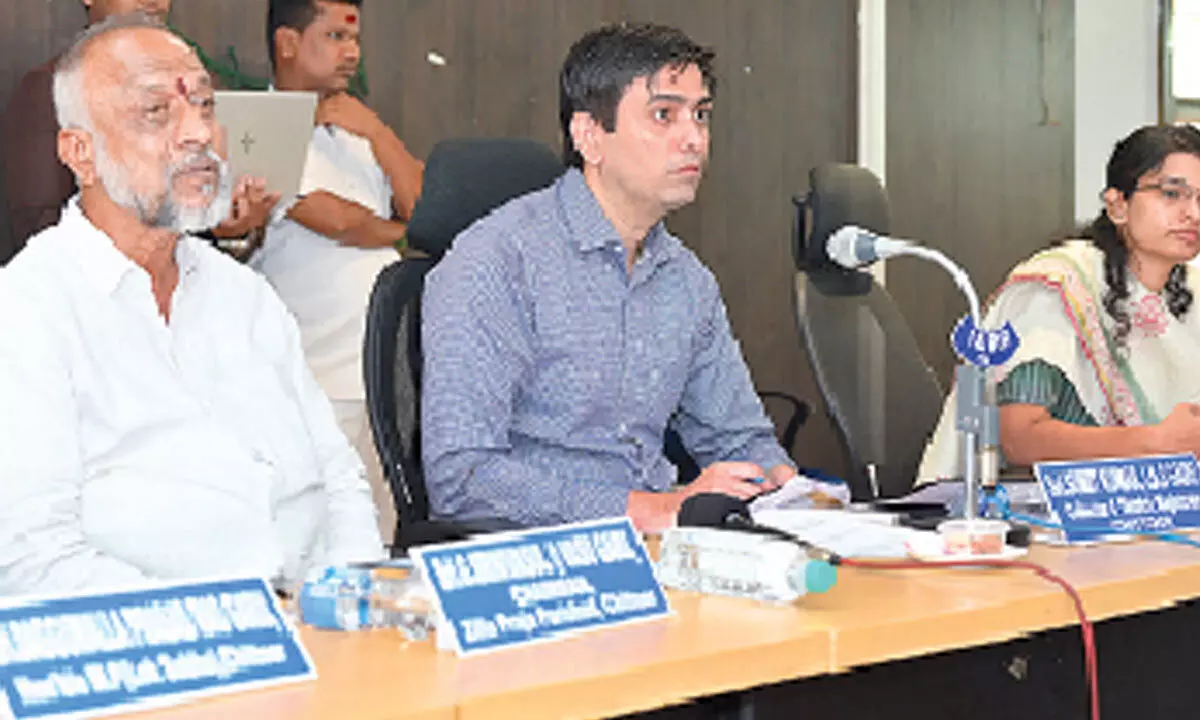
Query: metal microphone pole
<point>977,418</point>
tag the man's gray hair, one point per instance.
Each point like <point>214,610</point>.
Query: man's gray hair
<point>70,103</point>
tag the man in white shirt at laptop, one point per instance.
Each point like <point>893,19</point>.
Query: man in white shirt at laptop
<point>157,418</point>
<point>359,187</point>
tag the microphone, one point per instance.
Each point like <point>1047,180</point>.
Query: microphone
<point>714,510</point>
<point>977,419</point>
<point>854,247</point>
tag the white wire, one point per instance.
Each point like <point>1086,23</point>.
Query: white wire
<point>960,276</point>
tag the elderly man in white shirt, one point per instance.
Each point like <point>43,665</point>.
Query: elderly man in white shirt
<point>157,416</point>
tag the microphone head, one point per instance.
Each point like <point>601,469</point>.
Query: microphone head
<point>845,245</point>
<point>713,510</point>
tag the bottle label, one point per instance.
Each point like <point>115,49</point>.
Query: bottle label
<point>336,598</point>
<point>734,563</point>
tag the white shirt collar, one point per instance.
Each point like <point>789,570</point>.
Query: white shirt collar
<point>99,258</point>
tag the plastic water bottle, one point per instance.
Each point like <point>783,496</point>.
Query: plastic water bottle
<point>741,564</point>
<point>402,602</point>
<point>364,598</point>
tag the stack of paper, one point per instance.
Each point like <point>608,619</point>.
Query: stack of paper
<point>847,533</point>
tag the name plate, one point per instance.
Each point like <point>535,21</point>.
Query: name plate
<point>99,654</point>
<point>516,588</point>
<point>1134,495</point>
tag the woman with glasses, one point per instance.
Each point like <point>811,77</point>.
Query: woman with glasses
<point>1109,357</point>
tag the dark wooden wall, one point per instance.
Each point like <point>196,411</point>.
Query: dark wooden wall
<point>786,101</point>
<point>980,145</point>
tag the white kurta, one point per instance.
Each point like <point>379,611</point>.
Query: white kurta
<point>132,448</point>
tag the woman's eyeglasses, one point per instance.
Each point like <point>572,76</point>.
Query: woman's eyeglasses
<point>1173,193</point>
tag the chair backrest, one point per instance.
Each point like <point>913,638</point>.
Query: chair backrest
<point>465,179</point>
<point>392,372</point>
<point>883,398</point>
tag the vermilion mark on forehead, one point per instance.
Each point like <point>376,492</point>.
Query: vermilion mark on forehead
<point>351,18</point>
<point>181,86</point>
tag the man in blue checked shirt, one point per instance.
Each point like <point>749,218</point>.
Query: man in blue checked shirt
<point>566,330</point>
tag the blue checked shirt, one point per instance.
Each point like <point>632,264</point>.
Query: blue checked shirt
<point>551,372</point>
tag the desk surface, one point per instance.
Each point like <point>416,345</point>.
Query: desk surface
<point>715,644</point>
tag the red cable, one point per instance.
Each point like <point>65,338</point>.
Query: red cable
<point>1089,638</point>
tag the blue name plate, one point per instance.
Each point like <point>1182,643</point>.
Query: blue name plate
<point>515,588</point>
<point>1133,495</point>
<point>99,654</point>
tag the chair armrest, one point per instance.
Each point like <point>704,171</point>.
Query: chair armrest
<point>429,532</point>
<point>800,413</point>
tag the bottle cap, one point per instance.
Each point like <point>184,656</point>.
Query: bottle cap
<point>815,576</point>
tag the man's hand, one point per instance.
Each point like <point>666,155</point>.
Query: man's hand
<point>252,206</point>
<point>350,114</point>
<point>780,474</point>
<point>732,478</point>
<point>655,512</point>
<point>404,172</point>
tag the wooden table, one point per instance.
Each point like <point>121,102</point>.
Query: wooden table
<point>714,645</point>
<point>877,616</point>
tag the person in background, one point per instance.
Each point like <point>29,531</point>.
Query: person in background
<point>1109,333</point>
<point>360,184</point>
<point>159,420</point>
<point>563,332</point>
<point>37,185</point>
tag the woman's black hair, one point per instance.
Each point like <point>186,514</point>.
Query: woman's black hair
<point>1143,151</point>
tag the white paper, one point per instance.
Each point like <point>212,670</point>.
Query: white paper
<point>843,532</point>
<point>796,492</point>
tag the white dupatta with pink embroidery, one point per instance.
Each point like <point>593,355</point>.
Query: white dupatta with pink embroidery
<point>1054,301</point>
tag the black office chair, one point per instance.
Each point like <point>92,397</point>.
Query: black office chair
<point>882,397</point>
<point>465,179</point>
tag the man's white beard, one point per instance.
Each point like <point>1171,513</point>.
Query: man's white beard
<point>163,212</point>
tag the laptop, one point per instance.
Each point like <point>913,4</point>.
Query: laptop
<point>268,133</point>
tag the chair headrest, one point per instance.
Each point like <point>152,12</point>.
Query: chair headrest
<point>467,178</point>
<point>840,194</point>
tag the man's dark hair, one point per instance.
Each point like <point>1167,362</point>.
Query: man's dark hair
<point>601,65</point>
<point>294,14</point>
